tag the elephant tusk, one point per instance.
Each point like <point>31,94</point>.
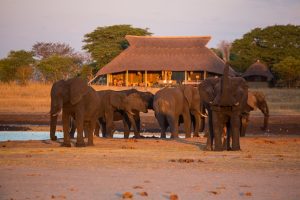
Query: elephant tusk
<point>55,114</point>
<point>203,115</point>
<point>237,103</point>
<point>130,112</point>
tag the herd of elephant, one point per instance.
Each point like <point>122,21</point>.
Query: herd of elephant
<point>225,101</point>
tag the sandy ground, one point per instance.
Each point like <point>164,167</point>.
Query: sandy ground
<point>267,167</point>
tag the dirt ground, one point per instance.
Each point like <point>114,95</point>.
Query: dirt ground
<point>267,167</point>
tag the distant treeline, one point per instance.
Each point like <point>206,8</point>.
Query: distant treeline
<point>276,46</point>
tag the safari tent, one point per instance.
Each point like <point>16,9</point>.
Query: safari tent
<point>156,60</point>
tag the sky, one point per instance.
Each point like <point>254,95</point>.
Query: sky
<point>25,22</point>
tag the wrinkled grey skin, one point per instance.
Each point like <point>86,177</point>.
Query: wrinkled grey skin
<point>170,104</point>
<point>78,101</point>
<point>121,106</point>
<point>225,99</point>
<point>255,100</point>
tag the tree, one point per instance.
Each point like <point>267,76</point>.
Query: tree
<point>86,72</point>
<point>46,49</point>
<point>24,73</point>
<point>107,42</point>
<point>58,67</point>
<point>17,66</point>
<point>288,70</point>
<point>271,45</point>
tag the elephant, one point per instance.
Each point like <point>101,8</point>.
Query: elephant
<point>225,99</point>
<point>255,100</point>
<point>146,97</point>
<point>79,101</point>
<point>121,106</point>
<point>170,104</point>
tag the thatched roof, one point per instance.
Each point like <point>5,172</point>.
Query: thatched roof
<point>258,69</point>
<point>155,53</point>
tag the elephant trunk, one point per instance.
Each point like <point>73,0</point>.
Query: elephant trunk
<point>56,107</point>
<point>225,86</point>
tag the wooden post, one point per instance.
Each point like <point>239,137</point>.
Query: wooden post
<point>107,79</point>
<point>126,77</point>
<point>146,79</point>
<point>185,77</point>
<point>205,75</point>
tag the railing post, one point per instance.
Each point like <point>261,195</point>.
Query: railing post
<point>146,79</point>
<point>126,77</point>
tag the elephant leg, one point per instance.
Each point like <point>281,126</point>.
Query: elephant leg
<point>53,123</point>
<point>132,121</point>
<point>235,132</point>
<point>127,126</point>
<point>66,129</point>
<point>197,120</point>
<point>202,124</point>
<point>218,125</point>
<point>109,125</point>
<point>73,128</point>
<point>187,125</point>
<point>86,126</point>
<point>224,134</point>
<point>173,122</point>
<point>79,125</point>
<point>91,128</point>
<point>210,137</point>
<point>163,125</point>
<point>244,124</point>
<point>227,136</point>
<point>103,129</point>
<point>97,129</point>
<point>137,120</point>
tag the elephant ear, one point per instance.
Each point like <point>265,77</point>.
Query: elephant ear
<point>78,88</point>
<point>116,100</point>
<point>188,94</point>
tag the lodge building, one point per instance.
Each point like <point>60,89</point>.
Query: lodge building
<point>155,60</point>
<point>258,75</point>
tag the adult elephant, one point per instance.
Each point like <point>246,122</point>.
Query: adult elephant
<point>255,100</point>
<point>226,99</point>
<point>147,98</point>
<point>170,104</point>
<point>78,101</point>
<point>120,106</point>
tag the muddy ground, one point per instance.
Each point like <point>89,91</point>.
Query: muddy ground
<point>267,167</point>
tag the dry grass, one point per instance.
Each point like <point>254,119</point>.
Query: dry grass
<point>35,98</point>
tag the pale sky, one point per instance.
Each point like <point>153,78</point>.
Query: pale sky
<point>25,22</point>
